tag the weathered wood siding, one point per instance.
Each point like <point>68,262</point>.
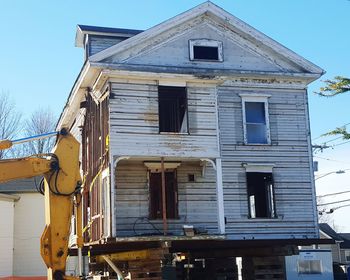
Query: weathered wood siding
<point>288,152</point>
<point>172,49</point>
<point>134,123</point>
<point>100,43</point>
<point>197,200</point>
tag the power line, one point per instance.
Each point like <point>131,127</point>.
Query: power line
<point>332,159</point>
<point>329,203</point>
<point>322,135</point>
<point>330,194</point>
<point>341,143</point>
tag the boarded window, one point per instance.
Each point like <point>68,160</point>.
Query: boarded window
<point>309,267</point>
<point>172,109</point>
<point>256,129</point>
<point>156,209</point>
<point>260,195</point>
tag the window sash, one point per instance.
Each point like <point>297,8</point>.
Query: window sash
<point>256,125</point>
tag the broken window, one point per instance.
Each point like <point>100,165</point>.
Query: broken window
<point>255,119</point>
<point>260,195</point>
<point>156,207</point>
<point>205,49</point>
<point>172,109</point>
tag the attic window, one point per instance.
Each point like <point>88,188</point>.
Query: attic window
<point>205,49</point>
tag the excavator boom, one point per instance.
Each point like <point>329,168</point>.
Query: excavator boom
<point>62,185</point>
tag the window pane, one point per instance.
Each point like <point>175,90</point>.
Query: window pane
<point>255,112</point>
<point>309,267</point>
<point>256,133</point>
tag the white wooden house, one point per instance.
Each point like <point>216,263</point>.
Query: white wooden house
<point>208,109</point>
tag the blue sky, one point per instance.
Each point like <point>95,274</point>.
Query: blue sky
<point>40,63</point>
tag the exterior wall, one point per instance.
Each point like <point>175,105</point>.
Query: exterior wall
<point>134,128</point>
<point>288,153</point>
<point>28,226</point>
<point>326,263</point>
<point>197,200</point>
<point>238,53</point>
<point>6,236</point>
<point>335,249</point>
<point>100,43</point>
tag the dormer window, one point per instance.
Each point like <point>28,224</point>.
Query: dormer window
<point>205,50</point>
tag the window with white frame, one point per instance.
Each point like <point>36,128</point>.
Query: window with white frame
<point>347,256</point>
<point>255,118</point>
<point>205,49</point>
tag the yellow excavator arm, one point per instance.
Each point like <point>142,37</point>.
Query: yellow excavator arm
<point>62,189</point>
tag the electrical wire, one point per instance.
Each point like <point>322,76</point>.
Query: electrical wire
<point>330,194</point>
<point>341,144</point>
<point>329,159</point>
<point>322,135</point>
<point>53,178</point>
<point>335,202</point>
<point>148,221</point>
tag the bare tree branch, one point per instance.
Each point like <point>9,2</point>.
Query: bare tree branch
<point>40,122</point>
<point>9,120</point>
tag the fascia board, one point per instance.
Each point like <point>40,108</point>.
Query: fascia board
<point>203,73</point>
<point>85,79</point>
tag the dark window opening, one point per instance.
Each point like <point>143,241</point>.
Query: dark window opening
<point>191,177</point>
<point>205,52</point>
<point>156,207</point>
<point>260,195</point>
<point>172,109</point>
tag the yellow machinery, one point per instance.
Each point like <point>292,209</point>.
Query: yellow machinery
<point>62,189</point>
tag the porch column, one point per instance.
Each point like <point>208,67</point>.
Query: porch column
<point>220,197</point>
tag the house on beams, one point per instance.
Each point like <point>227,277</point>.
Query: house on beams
<point>195,140</point>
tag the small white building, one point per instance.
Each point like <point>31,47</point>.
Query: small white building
<point>310,264</point>
<point>21,224</point>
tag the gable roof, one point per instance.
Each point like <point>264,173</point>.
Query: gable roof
<point>346,238</point>
<point>20,186</point>
<point>83,30</point>
<point>218,14</point>
<point>324,227</point>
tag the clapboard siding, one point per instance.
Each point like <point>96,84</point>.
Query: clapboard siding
<point>134,123</point>
<point>197,200</point>
<point>100,43</point>
<point>288,153</point>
